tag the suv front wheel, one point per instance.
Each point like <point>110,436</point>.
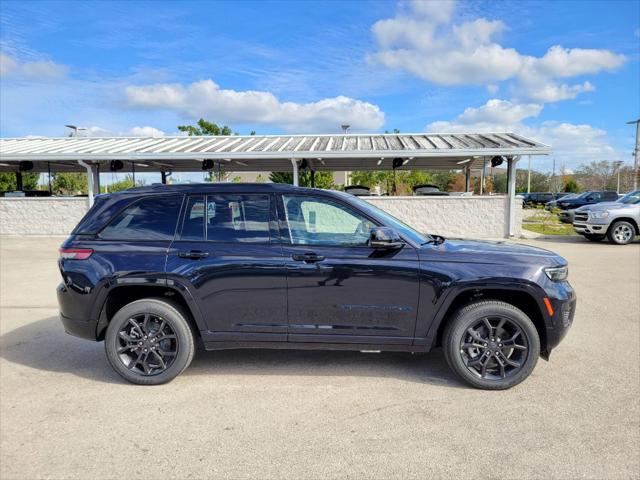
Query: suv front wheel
<point>491,345</point>
<point>150,341</point>
<point>621,233</point>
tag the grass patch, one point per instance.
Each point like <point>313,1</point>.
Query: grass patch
<point>547,223</point>
<point>550,228</point>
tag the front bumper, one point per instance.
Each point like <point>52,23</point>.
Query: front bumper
<point>563,301</point>
<point>590,228</point>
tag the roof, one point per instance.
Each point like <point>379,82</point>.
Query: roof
<point>207,187</point>
<point>270,152</point>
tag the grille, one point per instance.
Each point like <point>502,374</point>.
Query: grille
<point>581,216</point>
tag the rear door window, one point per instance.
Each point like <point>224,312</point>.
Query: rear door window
<point>153,218</point>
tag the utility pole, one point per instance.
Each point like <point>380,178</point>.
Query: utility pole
<point>636,152</point>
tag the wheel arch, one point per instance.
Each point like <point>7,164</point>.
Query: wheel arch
<point>630,220</point>
<point>520,296</point>
<point>121,295</point>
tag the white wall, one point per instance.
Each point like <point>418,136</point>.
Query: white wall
<point>455,216</point>
<point>40,216</point>
<point>468,217</point>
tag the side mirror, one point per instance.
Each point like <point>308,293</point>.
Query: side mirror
<point>385,238</point>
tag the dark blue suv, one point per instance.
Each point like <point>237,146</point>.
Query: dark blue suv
<point>154,270</point>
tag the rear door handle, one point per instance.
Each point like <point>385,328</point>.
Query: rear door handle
<point>307,257</point>
<point>193,254</point>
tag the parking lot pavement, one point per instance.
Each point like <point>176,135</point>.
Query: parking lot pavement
<point>266,414</point>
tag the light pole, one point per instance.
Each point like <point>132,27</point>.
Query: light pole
<point>636,153</point>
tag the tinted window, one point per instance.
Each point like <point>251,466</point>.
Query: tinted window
<point>193,225</point>
<point>153,218</point>
<point>320,221</point>
<point>238,218</point>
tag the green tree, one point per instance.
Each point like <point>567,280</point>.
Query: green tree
<point>8,181</point>
<point>322,179</point>
<point>124,184</point>
<point>69,183</point>
<point>571,186</point>
<point>204,127</point>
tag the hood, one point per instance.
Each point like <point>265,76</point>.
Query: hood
<point>603,206</point>
<point>497,252</point>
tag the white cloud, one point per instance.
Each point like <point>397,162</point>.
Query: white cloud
<point>572,144</point>
<point>38,70</point>
<point>206,99</point>
<point>145,131</point>
<point>499,111</point>
<point>426,42</point>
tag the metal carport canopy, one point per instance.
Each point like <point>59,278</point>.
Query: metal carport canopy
<point>347,152</point>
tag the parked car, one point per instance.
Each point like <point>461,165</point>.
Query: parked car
<point>155,269</point>
<point>428,190</point>
<point>553,203</point>
<point>587,198</point>
<point>358,190</point>
<point>566,216</point>
<point>537,198</point>
<point>619,220</point>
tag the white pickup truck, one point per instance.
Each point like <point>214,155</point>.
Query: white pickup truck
<point>619,221</point>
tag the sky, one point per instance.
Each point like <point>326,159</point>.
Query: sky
<point>566,73</point>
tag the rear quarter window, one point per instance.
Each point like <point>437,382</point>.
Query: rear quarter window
<point>152,218</point>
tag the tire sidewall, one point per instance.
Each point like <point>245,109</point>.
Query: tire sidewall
<point>612,237</point>
<point>470,315</point>
<point>178,322</point>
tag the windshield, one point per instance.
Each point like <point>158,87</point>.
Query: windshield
<point>583,194</point>
<point>402,228</point>
<point>632,198</point>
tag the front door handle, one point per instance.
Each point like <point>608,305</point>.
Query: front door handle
<point>193,254</point>
<point>307,257</point>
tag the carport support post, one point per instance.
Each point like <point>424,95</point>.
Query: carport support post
<point>295,172</point>
<point>89,181</point>
<point>18,181</point>
<point>95,173</point>
<point>467,179</point>
<point>511,194</point>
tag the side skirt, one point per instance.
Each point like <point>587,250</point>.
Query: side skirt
<point>229,345</point>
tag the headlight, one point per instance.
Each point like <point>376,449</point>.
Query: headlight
<point>602,214</point>
<point>557,274</point>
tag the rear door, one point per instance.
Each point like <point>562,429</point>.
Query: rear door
<point>228,253</point>
<point>340,290</point>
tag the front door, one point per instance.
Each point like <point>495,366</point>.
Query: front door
<point>339,288</point>
<point>228,252</point>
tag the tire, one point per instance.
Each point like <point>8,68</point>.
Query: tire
<point>594,237</point>
<point>169,351</point>
<point>621,233</point>
<point>472,318</point>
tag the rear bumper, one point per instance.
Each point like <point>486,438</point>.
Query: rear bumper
<point>73,316</point>
<point>79,328</point>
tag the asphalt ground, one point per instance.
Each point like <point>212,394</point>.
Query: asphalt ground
<point>287,414</point>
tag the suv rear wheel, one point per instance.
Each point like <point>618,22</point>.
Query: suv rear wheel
<point>491,345</point>
<point>150,341</point>
<point>621,233</point>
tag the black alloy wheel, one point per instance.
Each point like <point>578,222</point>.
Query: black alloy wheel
<point>150,341</point>
<point>491,344</point>
<point>147,344</point>
<point>494,348</point>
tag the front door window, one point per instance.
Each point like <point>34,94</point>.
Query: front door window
<point>321,221</point>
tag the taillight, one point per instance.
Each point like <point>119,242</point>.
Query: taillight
<point>75,253</point>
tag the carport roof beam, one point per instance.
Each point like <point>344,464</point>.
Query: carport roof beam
<point>345,152</point>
